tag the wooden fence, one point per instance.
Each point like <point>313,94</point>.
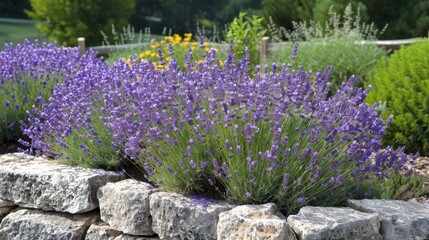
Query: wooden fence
<point>265,47</point>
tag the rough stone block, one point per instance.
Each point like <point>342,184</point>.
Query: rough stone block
<point>254,222</point>
<point>45,184</point>
<point>399,219</point>
<point>334,223</point>
<point>101,231</point>
<point>178,217</point>
<point>124,206</point>
<point>37,224</point>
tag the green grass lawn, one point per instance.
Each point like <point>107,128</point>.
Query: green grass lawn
<point>16,30</point>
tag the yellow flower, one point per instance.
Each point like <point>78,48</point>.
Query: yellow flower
<point>188,37</point>
<point>154,45</point>
<point>128,62</point>
<point>221,63</point>
<point>177,37</point>
<point>169,38</point>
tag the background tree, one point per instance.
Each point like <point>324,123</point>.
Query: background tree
<point>13,8</point>
<point>283,12</point>
<point>232,8</point>
<point>182,15</point>
<point>148,14</point>
<point>65,20</point>
<point>406,18</point>
<point>321,9</point>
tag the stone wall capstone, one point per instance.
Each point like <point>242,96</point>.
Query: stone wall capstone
<point>178,217</point>
<point>261,222</point>
<point>35,182</point>
<point>320,223</point>
<point>29,224</point>
<point>399,219</point>
<point>124,205</point>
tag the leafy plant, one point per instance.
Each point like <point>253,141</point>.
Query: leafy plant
<point>127,36</point>
<point>246,32</point>
<point>347,57</point>
<point>345,27</point>
<point>335,44</point>
<point>402,84</point>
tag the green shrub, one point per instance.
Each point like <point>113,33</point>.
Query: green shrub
<point>347,57</point>
<point>331,45</point>
<point>402,84</point>
<point>66,20</point>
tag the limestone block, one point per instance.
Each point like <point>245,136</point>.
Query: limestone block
<point>399,219</point>
<point>334,223</point>
<point>101,231</point>
<point>178,217</point>
<point>258,222</point>
<point>23,224</point>
<point>45,184</point>
<point>124,206</point>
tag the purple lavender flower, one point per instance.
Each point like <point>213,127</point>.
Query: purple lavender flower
<point>301,200</point>
<point>192,164</point>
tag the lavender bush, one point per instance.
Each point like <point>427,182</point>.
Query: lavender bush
<point>275,137</point>
<point>70,126</point>
<point>28,74</point>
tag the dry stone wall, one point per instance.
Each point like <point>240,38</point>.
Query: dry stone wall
<point>41,199</point>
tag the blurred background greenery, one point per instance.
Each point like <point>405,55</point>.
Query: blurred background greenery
<point>67,19</point>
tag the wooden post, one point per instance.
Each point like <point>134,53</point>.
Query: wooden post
<point>264,49</point>
<point>81,44</point>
